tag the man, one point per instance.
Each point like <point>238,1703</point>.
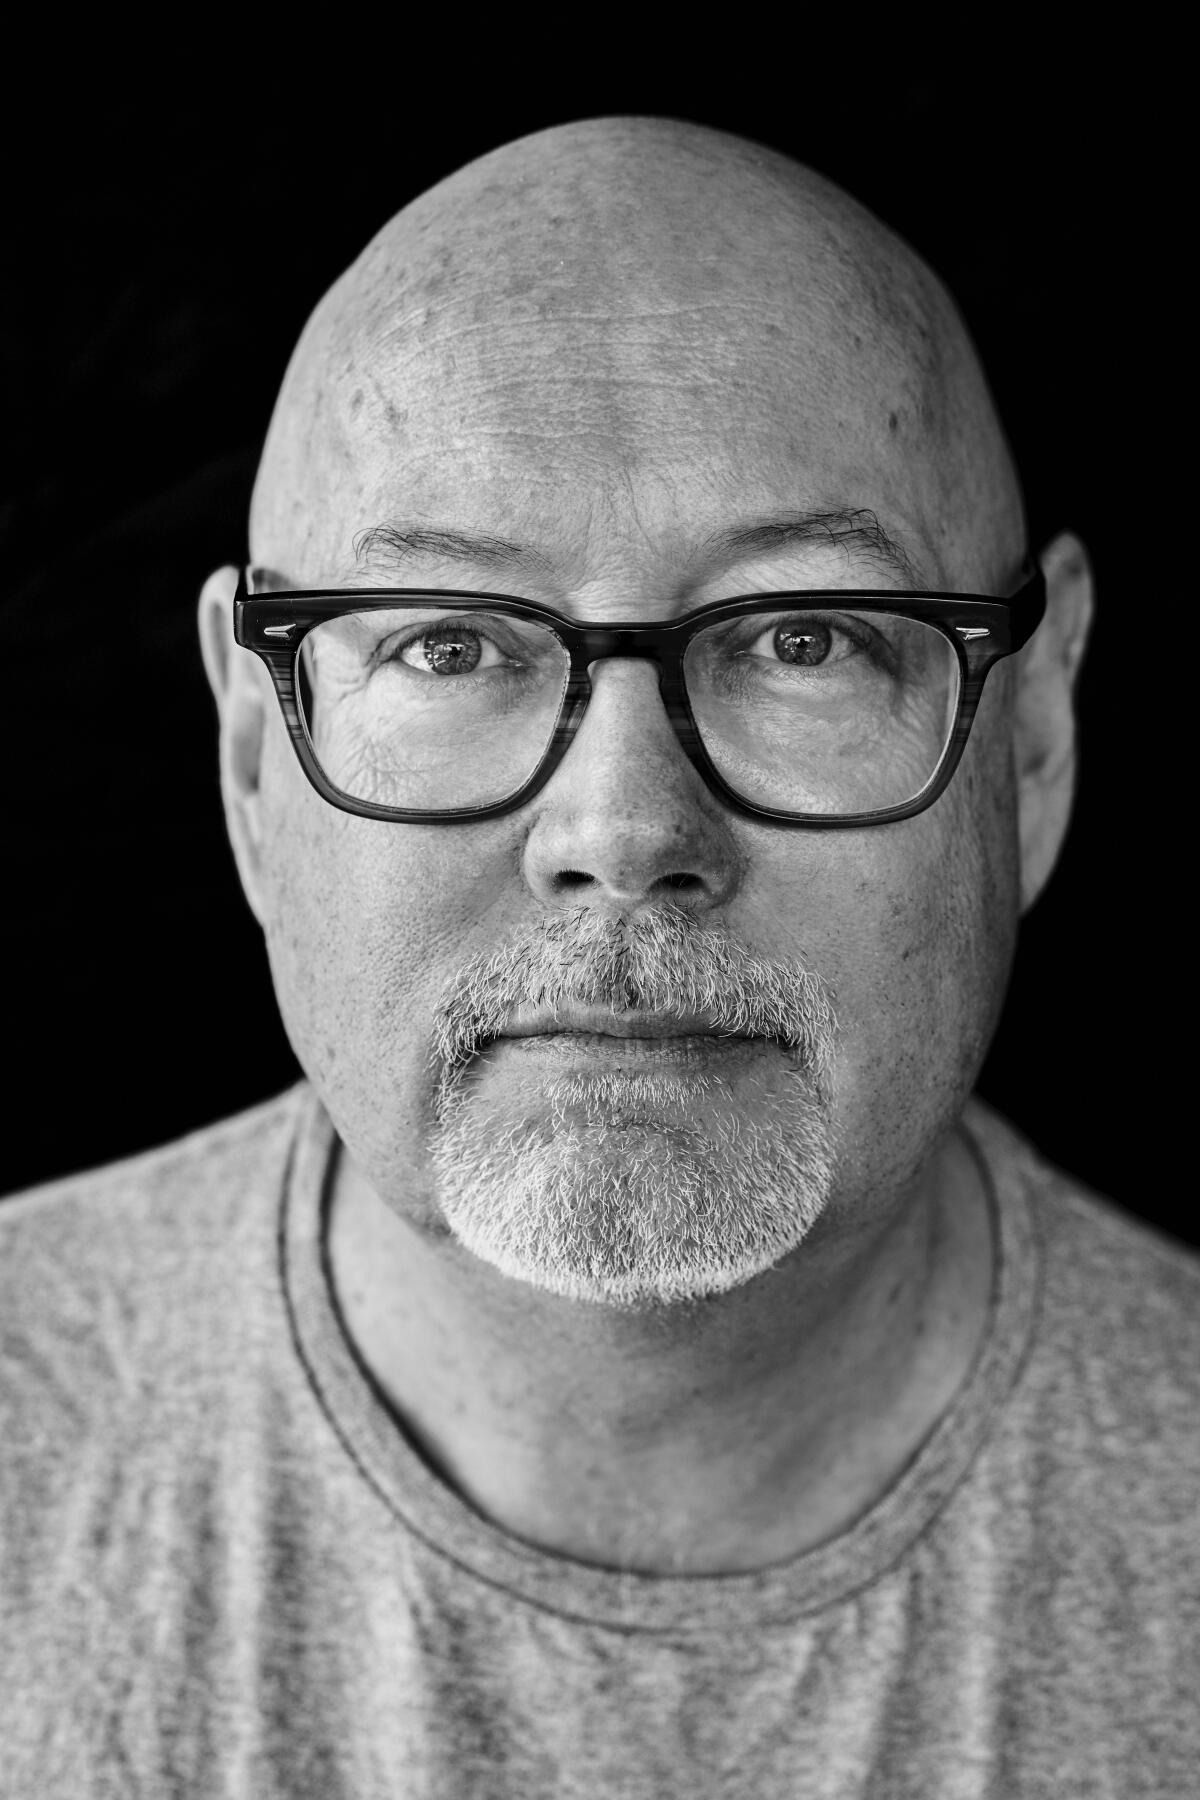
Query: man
<point>631,1363</point>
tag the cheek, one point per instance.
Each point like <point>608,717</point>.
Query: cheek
<point>919,942</point>
<point>365,922</point>
<point>349,905</point>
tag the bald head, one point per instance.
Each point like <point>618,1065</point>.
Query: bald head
<point>607,338</point>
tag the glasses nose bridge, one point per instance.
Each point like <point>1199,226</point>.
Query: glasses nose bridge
<point>649,643</point>
<point>654,644</point>
<point>662,646</point>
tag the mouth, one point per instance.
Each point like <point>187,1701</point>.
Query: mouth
<point>600,1022</point>
<point>605,1039</point>
<point>602,1050</point>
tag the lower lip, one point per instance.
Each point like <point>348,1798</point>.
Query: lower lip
<point>660,1052</point>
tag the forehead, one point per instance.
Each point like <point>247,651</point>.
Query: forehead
<point>608,380</point>
<point>588,438</point>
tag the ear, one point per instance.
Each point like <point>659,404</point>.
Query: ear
<point>1044,712</point>
<point>233,676</point>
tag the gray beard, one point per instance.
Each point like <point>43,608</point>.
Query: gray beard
<point>618,1194</point>
<point>626,1188</point>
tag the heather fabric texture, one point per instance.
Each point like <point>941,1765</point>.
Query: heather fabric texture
<point>225,1572</point>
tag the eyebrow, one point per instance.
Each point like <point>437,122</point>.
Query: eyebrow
<point>399,545</point>
<point>855,528</point>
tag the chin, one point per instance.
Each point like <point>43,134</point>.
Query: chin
<point>624,1195</point>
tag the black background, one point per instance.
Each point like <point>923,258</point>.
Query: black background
<point>160,265</point>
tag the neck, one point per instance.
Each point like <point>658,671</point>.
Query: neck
<point>710,1439</point>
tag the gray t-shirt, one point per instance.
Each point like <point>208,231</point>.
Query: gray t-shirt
<point>224,1570</point>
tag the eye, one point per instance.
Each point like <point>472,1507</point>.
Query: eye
<point>806,643</point>
<point>448,649</point>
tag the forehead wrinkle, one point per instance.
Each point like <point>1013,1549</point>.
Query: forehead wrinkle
<point>784,306</point>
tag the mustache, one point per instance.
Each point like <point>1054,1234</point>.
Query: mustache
<point>660,960</point>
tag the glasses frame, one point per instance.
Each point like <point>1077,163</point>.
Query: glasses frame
<point>982,628</point>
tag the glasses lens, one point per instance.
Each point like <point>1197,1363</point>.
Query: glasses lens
<point>430,709</point>
<point>434,708</point>
<point>824,711</point>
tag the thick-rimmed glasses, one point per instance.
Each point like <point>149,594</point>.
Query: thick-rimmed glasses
<point>821,708</point>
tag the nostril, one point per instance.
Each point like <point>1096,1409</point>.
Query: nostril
<point>572,878</point>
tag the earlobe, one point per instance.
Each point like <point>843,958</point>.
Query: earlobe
<point>231,675</point>
<point>1044,714</point>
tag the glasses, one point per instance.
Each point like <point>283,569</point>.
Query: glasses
<point>819,708</point>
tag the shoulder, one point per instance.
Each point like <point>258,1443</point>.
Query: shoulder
<point>1115,1346</point>
<point>100,1269</point>
<point>139,1319</point>
<point>1098,1257</point>
<point>130,1188</point>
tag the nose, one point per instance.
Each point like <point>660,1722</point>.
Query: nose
<point>625,820</point>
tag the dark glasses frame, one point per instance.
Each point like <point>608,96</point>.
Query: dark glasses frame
<point>982,629</point>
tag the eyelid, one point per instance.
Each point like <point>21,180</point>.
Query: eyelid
<point>478,622</point>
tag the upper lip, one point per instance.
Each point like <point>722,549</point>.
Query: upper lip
<point>603,1022</point>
